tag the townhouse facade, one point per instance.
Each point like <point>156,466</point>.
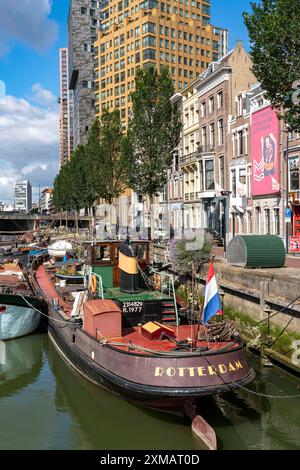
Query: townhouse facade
<point>208,105</point>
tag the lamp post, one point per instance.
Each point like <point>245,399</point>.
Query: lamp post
<point>226,195</point>
<point>287,192</point>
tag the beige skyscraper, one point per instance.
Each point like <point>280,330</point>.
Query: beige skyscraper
<point>136,34</point>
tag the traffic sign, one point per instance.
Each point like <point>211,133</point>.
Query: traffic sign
<point>288,215</point>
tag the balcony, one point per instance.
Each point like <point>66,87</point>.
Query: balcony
<point>190,158</point>
<point>206,149</point>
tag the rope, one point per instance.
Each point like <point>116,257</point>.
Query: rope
<point>42,313</point>
<point>169,354</point>
<point>252,392</point>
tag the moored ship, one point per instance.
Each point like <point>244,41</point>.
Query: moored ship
<point>129,339</point>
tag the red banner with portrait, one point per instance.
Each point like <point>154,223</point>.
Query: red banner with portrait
<point>265,152</point>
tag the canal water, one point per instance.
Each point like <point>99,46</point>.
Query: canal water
<point>46,405</point>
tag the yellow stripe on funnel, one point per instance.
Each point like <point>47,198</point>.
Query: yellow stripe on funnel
<point>127,264</point>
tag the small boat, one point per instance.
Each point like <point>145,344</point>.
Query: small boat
<point>17,321</point>
<point>131,340</point>
<point>19,308</point>
<point>59,249</point>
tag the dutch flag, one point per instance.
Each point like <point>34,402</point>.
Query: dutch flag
<point>212,302</point>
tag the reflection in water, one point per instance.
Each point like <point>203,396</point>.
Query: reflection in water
<point>44,404</point>
<point>22,364</point>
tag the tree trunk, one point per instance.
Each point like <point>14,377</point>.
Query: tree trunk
<point>150,201</point>
<point>67,219</point>
<point>90,220</point>
<point>76,221</point>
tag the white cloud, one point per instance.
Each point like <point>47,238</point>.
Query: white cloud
<point>26,21</point>
<point>43,97</point>
<point>29,142</point>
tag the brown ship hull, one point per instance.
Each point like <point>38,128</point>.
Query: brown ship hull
<point>154,381</point>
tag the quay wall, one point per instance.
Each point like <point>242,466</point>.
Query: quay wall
<point>259,293</point>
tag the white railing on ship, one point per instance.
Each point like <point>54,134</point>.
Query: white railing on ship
<point>170,288</point>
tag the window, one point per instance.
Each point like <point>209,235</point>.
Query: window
<point>294,173</point>
<point>233,182</point>
<point>149,54</point>
<point>220,99</point>
<point>222,172</point>
<point>209,175</point>
<point>212,134</point>
<point>211,104</point>
<point>246,141</point>
<point>242,175</point>
<point>221,131</point>
<point>204,136</point>
<point>267,222</point>
<point>203,109</point>
<point>201,182</point>
<point>276,222</point>
<point>240,143</point>
<point>149,28</point>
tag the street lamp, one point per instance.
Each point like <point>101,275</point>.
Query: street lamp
<point>226,196</point>
<point>176,175</point>
<point>287,192</point>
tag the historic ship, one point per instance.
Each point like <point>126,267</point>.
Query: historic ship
<point>129,339</point>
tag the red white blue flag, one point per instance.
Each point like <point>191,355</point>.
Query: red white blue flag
<point>212,302</point>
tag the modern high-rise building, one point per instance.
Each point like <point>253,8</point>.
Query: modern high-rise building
<point>23,196</point>
<point>83,24</point>
<point>135,34</point>
<point>66,109</point>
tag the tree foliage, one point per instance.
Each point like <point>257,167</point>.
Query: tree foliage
<point>96,170</point>
<point>154,131</point>
<point>274,30</point>
<point>184,259</point>
<point>107,162</point>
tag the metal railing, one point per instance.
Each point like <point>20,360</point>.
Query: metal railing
<point>169,289</point>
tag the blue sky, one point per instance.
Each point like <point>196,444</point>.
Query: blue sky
<point>31,33</point>
<point>24,66</point>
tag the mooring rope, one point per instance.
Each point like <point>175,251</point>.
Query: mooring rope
<point>229,385</point>
<point>42,313</point>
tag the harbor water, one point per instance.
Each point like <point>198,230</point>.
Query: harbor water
<point>44,404</point>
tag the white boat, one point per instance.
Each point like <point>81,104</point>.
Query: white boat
<point>59,249</point>
<point>17,321</point>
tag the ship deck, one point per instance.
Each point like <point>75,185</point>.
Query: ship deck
<point>132,337</point>
<point>140,296</point>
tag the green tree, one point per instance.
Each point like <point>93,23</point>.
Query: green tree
<point>184,259</point>
<point>154,131</point>
<point>106,162</point>
<point>274,30</point>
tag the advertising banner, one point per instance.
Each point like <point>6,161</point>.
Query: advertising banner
<point>265,152</point>
<point>294,245</point>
